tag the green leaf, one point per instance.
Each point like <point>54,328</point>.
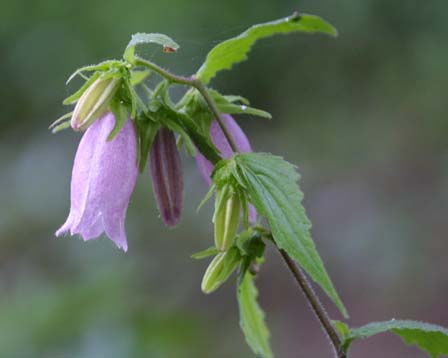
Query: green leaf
<point>144,38</point>
<point>195,133</point>
<point>430,338</point>
<point>271,183</point>
<point>211,251</point>
<point>121,116</point>
<point>224,55</point>
<point>342,328</point>
<point>235,98</point>
<point>138,76</point>
<point>226,106</point>
<point>252,318</point>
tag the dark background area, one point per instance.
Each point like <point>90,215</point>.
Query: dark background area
<point>363,116</point>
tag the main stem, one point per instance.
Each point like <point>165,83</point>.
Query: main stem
<point>315,303</point>
<point>297,273</point>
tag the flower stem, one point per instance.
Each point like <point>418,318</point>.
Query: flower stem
<point>196,83</point>
<point>299,276</point>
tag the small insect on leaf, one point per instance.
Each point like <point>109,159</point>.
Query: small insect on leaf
<point>169,49</point>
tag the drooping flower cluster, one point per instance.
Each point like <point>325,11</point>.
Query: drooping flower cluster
<point>113,149</point>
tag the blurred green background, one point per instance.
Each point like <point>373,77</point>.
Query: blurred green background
<point>362,115</point>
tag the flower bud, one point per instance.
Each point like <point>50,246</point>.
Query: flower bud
<point>94,102</point>
<point>220,269</point>
<point>226,218</point>
<point>166,172</point>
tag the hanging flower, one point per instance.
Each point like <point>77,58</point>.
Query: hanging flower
<point>103,178</point>
<point>220,141</point>
<point>167,180</point>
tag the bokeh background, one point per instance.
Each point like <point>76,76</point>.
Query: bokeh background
<point>363,116</point>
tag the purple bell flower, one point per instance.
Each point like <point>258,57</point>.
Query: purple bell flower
<point>167,180</point>
<point>103,178</point>
<point>220,141</point>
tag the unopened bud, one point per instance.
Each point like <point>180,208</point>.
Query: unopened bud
<point>94,102</point>
<point>226,218</point>
<point>220,269</point>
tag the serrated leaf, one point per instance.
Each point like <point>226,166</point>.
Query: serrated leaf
<point>431,338</point>
<point>151,38</point>
<point>224,55</point>
<point>252,318</point>
<point>271,183</point>
<point>211,251</point>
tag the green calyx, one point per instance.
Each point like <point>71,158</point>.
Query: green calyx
<point>219,270</point>
<point>94,102</point>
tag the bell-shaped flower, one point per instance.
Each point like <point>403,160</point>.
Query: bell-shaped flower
<point>167,180</point>
<point>222,144</point>
<point>103,178</point>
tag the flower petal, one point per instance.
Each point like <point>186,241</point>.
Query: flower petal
<point>167,179</point>
<point>103,179</point>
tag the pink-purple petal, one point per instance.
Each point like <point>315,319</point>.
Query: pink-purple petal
<point>167,178</point>
<point>103,179</point>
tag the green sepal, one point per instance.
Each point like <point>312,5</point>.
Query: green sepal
<point>147,38</point>
<point>75,96</point>
<point>207,197</point>
<point>227,53</point>
<point>61,123</point>
<point>252,318</point>
<point>220,269</point>
<point>61,127</point>
<point>147,130</point>
<point>430,338</point>
<point>102,66</point>
<point>211,251</point>
<point>121,115</point>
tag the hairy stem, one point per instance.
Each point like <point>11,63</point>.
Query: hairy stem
<point>196,83</point>
<point>315,303</point>
<point>299,276</point>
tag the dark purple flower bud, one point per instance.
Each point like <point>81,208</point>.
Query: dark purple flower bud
<point>103,179</point>
<point>167,180</point>
<point>220,141</point>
